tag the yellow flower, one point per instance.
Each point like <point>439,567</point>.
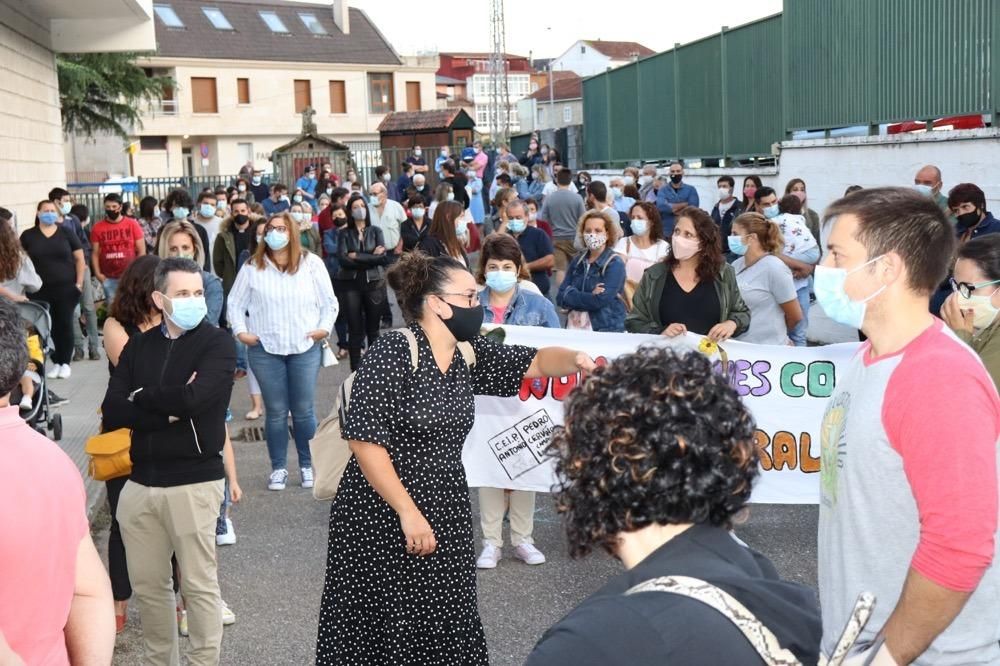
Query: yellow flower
<point>708,347</point>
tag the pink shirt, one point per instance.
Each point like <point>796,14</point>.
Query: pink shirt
<point>42,521</point>
<point>479,162</point>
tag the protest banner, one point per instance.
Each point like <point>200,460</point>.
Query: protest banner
<point>786,389</point>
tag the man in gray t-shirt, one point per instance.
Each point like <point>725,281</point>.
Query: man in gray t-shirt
<point>562,210</point>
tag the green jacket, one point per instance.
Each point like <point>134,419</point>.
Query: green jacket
<point>987,345</point>
<point>645,314</point>
<point>224,253</point>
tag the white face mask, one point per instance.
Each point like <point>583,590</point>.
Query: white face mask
<point>724,192</point>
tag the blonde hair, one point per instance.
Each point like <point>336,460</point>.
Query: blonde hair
<point>767,232</point>
<point>180,227</point>
<point>612,227</point>
<point>294,246</point>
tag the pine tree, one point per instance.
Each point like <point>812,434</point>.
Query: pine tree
<point>105,92</point>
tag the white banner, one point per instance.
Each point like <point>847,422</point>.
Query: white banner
<point>786,389</point>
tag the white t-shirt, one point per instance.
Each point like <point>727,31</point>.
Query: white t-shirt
<point>799,241</point>
<point>764,286</point>
<point>637,260</point>
<point>211,227</point>
<point>549,188</point>
<point>389,222</point>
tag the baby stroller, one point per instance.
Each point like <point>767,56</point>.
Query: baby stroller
<point>40,416</point>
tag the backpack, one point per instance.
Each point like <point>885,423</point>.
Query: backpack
<point>330,451</point>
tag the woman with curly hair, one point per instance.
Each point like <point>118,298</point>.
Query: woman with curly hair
<point>693,289</point>
<point>17,273</point>
<point>656,461</point>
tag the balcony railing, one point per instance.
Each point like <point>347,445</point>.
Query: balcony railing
<point>163,107</point>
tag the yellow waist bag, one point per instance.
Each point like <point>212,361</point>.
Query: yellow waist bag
<point>109,454</point>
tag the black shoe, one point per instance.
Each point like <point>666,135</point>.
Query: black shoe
<point>78,355</point>
<point>95,355</point>
<point>57,401</point>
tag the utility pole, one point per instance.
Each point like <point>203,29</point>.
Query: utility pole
<point>499,106</point>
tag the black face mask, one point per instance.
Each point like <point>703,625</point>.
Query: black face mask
<point>465,322</point>
<point>339,222</point>
<point>676,178</point>
<point>966,220</point>
<point>240,220</point>
<point>112,214</point>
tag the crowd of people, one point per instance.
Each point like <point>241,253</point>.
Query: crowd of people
<point>248,281</point>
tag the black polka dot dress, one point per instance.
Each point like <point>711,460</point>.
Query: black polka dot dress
<point>382,606</point>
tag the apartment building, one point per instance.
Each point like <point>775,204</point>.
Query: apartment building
<point>473,69</point>
<point>244,70</point>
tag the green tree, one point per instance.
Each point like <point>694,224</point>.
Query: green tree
<point>105,92</point>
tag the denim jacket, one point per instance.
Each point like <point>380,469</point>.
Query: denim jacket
<point>607,310</point>
<point>525,309</point>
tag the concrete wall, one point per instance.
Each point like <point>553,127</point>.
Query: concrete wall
<point>31,142</point>
<point>829,166</point>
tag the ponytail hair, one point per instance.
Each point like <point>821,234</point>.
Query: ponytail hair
<point>416,276</point>
<point>768,234</point>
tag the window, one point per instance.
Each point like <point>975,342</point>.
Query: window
<point>567,114</point>
<point>303,95</point>
<point>413,95</point>
<point>273,21</point>
<point>243,91</point>
<point>245,152</point>
<point>583,49</point>
<point>168,16</point>
<point>338,97</point>
<point>217,18</point>
<point>380,95</point>
<point>312,23</point>
<point>152,143</point>
<point>541,116</point>
<point>203,95</point>
<point>482,116</point>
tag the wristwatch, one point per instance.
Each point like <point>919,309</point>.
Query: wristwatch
<point>131,396</point>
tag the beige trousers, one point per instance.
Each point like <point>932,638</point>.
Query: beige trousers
<point>492,504</point>
<point>158,522</point>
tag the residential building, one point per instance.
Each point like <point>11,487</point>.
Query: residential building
<point>453,94</point>
<point>560,105</point>
<point>246,69</point>
<point>474,69</point>
<point>592,56</point>
<point>31,33</point>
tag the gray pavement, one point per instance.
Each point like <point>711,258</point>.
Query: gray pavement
<point>273,576</point>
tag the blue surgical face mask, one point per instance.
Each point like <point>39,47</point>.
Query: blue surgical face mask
<point>516,225</point>
<point>830,294</point>
<point>451,196</point>
<point>66,208</point>
<point>737,246</point>
<point>925,190</point>
<point>48,218</point>
<point>187,313</point>
<point>373,201</point>
<point>276,240</point>
<point>297,198</point>
<point>180,212</point>
<point>299,217</point>
<point>616,192</point>
<point>772,211</point>
<point>640,227</point>
<point>418,213</point>
<point>207,210</point>
<point>502,281</point>
<point>461,228</point>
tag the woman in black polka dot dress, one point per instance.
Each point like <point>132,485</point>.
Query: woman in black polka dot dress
<point>400,580</point>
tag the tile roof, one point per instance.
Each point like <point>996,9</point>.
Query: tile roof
<point>619,50</point>
<point>419,120</point>
<point>251,39</point>
<point>562,88</point>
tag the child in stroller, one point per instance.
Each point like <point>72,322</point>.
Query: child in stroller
<point>32,374</point>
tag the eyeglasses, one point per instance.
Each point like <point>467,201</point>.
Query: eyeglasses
<point>280,229</point>
<point>965,289</point>
<point>472,296</point>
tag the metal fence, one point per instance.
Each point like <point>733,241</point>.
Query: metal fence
<point>818,66</point>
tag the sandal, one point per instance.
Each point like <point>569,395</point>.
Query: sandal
<point>253,415</point>
<point>342,354</point>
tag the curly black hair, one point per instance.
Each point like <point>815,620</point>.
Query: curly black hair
<point>655,437</point>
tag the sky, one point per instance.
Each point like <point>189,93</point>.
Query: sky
<point>546,29</point>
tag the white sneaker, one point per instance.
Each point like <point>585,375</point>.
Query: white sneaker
<point>64,371</point>
<point>528,554</point>
<point>227,539</point>
<point>278,479</point>
<point>307,477</point>
<point>54,372</point>
<point>489,558</point>
<point>228,616</point>
<point>25,403</point>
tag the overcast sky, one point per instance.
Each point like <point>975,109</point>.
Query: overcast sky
<point>547,28</point>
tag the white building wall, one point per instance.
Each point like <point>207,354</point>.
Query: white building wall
<point>31,141</point>
<point>587,63</point>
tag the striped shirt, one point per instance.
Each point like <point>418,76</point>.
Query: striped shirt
<point>284,308</point>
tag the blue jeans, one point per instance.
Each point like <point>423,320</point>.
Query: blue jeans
<point>241,355</point>
<point>110,287</point>
<point>798,334</point>
<point>287,384</point>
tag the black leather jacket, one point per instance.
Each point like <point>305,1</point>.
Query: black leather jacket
<point>365,261</point>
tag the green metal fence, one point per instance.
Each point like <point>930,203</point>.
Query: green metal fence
<point>820,65</point>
